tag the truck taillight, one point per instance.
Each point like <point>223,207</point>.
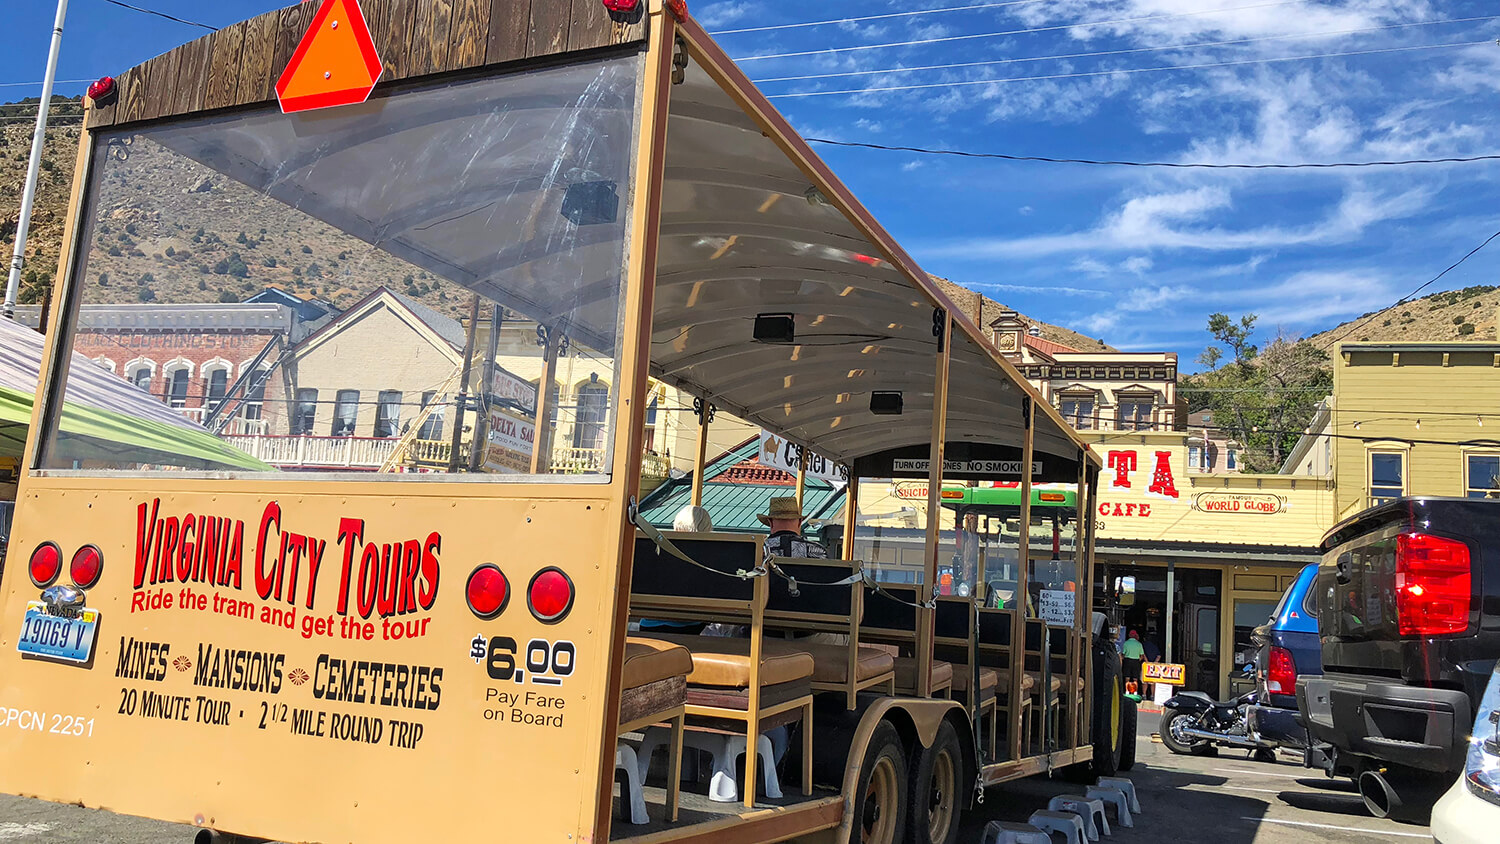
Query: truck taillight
<point>550,595</point>
<point>86,567</point>
<point>1281,674</point>
<point>487,591</point>
<point>46,562</point>
<point>626,6</point>
<point>1433,586</point>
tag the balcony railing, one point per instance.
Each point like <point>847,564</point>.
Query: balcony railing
<point>366,453</point>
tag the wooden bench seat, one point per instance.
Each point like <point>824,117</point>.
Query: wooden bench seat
<point>941,674</point>
<point>725,662</point>
<point>653,689</point>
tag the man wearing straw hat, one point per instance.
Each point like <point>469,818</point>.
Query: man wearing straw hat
<point>786,540</point>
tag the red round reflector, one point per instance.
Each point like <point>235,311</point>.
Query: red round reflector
<point>488,591</point>
<point>87,564</point>
<point>622,5</point>
<point>46,562</point>
<point>550,595</point>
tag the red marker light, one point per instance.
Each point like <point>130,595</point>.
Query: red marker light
<point>102,89</point>
<point>86,567</point>
<point>626,6</point>
<point>679,8</point>
<point>550,595</point>
<point>487,591</point>
<point>46,562</point>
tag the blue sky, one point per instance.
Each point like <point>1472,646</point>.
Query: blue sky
<point>1136,256</point>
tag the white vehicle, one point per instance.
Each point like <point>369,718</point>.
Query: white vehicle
<point>1470,811</point>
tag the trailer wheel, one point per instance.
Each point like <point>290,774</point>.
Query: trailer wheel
<point>936,790</point>
<point>1109,700</point>
<point>880,795</point>
<point>1127,735</point>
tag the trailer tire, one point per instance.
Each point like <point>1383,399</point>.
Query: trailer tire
<point>1128,720</point>
<point>1109,698</point>
<point>936,790</point>
<point>880,801</point>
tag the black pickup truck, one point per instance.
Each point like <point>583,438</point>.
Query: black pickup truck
<point>1408,605</point>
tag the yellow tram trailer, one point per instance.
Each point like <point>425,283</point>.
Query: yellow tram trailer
<point>252,751</point>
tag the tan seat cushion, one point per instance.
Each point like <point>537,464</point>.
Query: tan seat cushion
<point>1028,681</point>
<point>649,660</point>
<point>725,662</point>
<point>906,673</point>
<point>831,662</point>
<point>1034,678</point>
<point>989,679</point>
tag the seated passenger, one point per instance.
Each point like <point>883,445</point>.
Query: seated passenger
<point>690,519</point>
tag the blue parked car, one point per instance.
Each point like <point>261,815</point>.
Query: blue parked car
<point>1288,648</point>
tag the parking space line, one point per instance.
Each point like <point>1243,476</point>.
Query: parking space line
<point>1340,828</point>
<point>1263,774</point>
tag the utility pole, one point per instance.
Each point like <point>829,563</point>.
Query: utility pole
<point>28,193</point>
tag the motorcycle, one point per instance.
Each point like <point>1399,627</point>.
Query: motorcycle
<point>1192,723</point>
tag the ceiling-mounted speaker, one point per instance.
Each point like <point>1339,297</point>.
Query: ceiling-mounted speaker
<point>775,328</point>
<point>886,403</point>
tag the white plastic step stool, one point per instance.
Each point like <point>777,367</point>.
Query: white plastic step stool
<point>1126,786</point>
<point>1092,812</point>
<point>633,797</point>
<point>1067,823</point>
<point>1112,797</point>
<point>1000,832</point>
<point>725,750</point>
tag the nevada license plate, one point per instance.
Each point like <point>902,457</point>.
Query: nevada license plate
<point>57,637</point>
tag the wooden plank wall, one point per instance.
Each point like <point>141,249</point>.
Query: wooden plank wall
<point>239,65</point>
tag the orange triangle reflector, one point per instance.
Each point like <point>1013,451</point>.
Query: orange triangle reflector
<point>336,63</point>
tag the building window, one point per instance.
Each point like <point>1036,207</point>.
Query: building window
<point>177,392</point>
<point>1078,411</point>
<point>345,413</point>
<point>306,411</point>
<point>141,377</point>
<point>1232,459</point>
<point>1484,475</point>
<point>1387,476</point>
<point>589,418</point>
<point>432,426</point>
<point>1195,457</point>
<point>1135,414</point>
<point>214,387</point>
<point>255,396</point>
<point>388,413</point>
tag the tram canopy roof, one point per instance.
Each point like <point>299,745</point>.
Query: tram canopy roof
<point>751,222</point>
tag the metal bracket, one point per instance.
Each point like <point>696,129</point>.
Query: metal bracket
<point>940,327</point>
<point>698,409</point>
<point>1026,413</point>
<point>680,62</point>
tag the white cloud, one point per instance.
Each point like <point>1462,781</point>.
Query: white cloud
<point>723,14</point>
<point>1184,220</point>
<point>1090,266</point>
<point>1025,210</point>
<point>1314,297</point>
<point>914,164</point>
<point>1137,265</point>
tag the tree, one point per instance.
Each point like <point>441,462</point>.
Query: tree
<point>1260,399</point>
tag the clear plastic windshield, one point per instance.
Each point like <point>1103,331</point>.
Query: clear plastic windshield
<point>428,282</point>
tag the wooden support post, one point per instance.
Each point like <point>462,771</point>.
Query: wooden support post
<point>463,389</point>
<point>851,514</point>
<point>1020,600</point>
<point>1078,640</point>
<point>700,462</point>
<point>541,449</point>
<point>926,617</point>
<point>1088,630</point>
<point>801,478</point>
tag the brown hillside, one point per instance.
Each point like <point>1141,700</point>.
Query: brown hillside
<point>1466,314</point>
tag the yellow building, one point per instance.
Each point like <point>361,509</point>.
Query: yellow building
<point>1406,419</point>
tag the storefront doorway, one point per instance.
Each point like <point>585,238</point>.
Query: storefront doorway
<point>1193,620</point>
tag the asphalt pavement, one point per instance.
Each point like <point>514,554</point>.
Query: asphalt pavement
<point>1227,799</point>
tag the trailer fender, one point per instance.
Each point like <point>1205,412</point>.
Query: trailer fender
<point>917,721</point>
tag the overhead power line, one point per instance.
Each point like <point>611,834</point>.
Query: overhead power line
<point>863,18</point>
<point>146,11</point>
<point>1408,297</point>
<point>36,84</point>
<point>1123,71</point>
<point>1172,164</point>
<point>1130,51</point>
<point>1053,28</point>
